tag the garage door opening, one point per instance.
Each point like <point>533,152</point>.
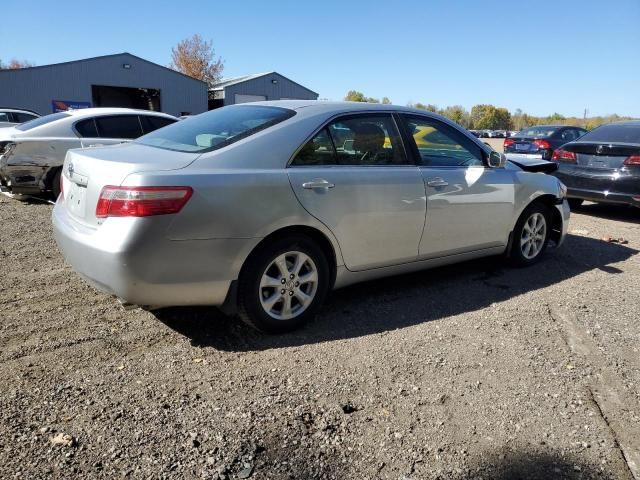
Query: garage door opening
<point>142,98</point>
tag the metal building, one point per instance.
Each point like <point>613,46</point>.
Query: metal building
<point>119,80</point>
<point>257,87</point>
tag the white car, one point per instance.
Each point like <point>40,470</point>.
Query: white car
<point>10,117</point>
<point>32,154</point>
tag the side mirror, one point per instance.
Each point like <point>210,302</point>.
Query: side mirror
<point>496,160</point>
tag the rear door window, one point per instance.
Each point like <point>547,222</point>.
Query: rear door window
<point>154,122</point>
<point>87,128</point>
<point>440,145</point>
<point>119,126</point>
<point>21,117</point>
<point>4,117</point>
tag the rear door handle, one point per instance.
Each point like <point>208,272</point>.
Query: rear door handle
<point>437,182</point>
<point>318,184</point>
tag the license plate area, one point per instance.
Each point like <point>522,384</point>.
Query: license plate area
<point>522,146</point>
<point>75,199</point>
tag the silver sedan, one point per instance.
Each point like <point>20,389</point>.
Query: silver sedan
<point>263,208</point>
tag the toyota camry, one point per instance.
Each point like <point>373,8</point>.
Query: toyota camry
<point>263,208</point>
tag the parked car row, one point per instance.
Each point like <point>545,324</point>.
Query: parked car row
<point>32,153</point>
<point>493,133</point>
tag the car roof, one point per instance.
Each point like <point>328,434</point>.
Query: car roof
<point>321,106</point>
<point>89,112</point>
<point>20,110</point>
<point>549,126</point>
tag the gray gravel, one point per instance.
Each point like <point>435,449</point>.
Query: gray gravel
<point>455,373</point>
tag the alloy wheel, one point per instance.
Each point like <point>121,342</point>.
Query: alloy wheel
<point>534,234</point>
<point>288,285</point>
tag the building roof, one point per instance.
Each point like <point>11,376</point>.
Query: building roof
<point>4,71</point>
<point>227,82</point>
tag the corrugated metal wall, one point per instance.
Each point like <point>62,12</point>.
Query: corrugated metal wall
<point>284,88</point>
<point>35,88</point>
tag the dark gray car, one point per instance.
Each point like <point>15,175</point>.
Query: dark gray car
<point>603,165</point>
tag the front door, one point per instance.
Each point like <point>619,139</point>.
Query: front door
<point>469,205</point>
<point>354,177</point>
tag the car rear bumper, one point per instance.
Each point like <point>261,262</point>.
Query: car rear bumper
<point>133,260</point>
<point>605,186</point>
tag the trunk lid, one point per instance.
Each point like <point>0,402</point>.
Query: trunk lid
<point>87,171</point>
<point>602,156</point>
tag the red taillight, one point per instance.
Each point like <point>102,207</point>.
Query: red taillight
<point>561,155</point>
<point>508,142</point>
<point>542,144</point>
<point>141,201</point>
<point>632,160</point>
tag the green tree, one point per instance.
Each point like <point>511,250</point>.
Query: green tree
<point>429,107</point>
<point>386,101</point>
<point>356,96</point>
<point>490,117</point>
<point>458,114</point>
<point>556,117</point>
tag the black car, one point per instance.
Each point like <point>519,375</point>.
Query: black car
<point>603,165</point>
<point>540,141</point>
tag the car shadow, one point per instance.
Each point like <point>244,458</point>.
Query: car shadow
<point>405,300</point>
<point>622,213</point>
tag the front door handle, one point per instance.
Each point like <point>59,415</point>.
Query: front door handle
<point>437,182</point>
<point>318,184</point>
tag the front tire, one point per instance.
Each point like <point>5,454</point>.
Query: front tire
<point>283,284</point>
<point>574,203</point>
<point>531,235</point>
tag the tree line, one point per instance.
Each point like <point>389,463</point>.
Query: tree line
<point>490,117</point>
<point>14,64</point>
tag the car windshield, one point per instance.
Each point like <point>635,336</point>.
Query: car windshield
<point>537,132</point>
<point>614,133</point>
<point>215,129</point>
<point>37,122</point>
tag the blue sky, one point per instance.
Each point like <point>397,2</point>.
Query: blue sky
<point>541,56</point>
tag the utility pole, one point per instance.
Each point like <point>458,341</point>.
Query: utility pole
<point>584,118</point>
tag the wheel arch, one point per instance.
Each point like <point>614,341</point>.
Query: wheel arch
<point>321,238</point>
<point>549,201</point>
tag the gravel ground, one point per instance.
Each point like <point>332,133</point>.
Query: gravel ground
<point>471,371</point>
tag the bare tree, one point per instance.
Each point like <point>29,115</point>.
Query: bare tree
<point>14,64</point>
<point>195,57</point>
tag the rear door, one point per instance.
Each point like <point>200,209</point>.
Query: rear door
<point>354,177</point>
<point>469,205</point>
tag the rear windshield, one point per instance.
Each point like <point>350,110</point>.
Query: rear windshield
<point>37,122</point>
<point>614,133</point>
<point>537,132</point>
<point>215,129</point>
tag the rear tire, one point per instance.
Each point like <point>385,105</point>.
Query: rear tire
<point>55,184</point>
<point>574,202</point>
<point>283,284</point>
<point>531,235</point>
